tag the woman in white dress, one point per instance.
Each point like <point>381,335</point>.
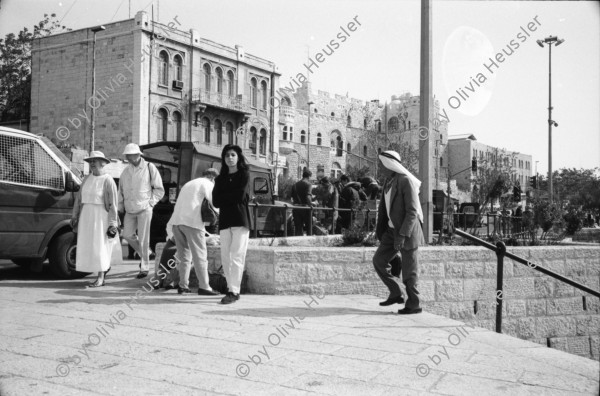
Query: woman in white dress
<point>95,219</point>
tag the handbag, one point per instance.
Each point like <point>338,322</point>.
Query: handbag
<point>208,213</point>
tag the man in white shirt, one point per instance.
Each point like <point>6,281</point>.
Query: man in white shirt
<point>140,188</point>
<point>189,232</point>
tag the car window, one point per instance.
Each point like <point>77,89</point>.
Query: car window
<point>25,162</point>
<point>261,185</point>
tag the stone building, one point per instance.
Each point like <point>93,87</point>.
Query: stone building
<point>463,148</point>
<point>154,82</point>
<point>347,131</point>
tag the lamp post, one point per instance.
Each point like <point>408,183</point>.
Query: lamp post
<point>93,120</point>
<point>556,41</point>
<point>308,139</point>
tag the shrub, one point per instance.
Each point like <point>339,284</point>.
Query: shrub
<point>573,221</point>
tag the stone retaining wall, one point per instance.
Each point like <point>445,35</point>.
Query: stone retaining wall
<point>456,282</point>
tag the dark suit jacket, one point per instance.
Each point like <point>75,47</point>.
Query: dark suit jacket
<point>403,213</point>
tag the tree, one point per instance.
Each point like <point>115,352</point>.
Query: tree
<point>577,187</point>
<point>15,68</point>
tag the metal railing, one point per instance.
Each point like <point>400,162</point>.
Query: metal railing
<point>366,217</point>
<point>500,250</point>
<point>221,100</point>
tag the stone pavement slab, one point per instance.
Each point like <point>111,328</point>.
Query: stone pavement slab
<point>59,338</point>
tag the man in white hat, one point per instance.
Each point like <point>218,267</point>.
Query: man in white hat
<point>140,188</point>
<point>399,229</point>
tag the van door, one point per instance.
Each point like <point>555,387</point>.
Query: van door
<point>32,195</point>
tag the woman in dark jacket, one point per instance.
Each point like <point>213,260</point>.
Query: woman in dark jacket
<point>230,195</point>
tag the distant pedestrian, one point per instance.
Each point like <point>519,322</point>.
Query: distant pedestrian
<point>140,188</point>
<point>231,196</point>
<point>95,219</point>
<point>349,199</point>
<point>189,232</point>
<point>301,195</point>
<point>399,225</point>
<point>329,198</point>
<point>370,187</point>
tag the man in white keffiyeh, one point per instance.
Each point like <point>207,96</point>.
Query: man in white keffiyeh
<point>399,229</point>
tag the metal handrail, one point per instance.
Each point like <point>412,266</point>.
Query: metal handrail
<point>500,250</point>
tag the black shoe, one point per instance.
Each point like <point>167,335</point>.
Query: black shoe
<point>181,290</point>
<point>142,274</point>
<point>392,300</point>
<point>204,292</point>
<point>230,298</point>
<point>409,311</point>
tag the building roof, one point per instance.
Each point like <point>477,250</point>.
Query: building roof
<point>462,136</point>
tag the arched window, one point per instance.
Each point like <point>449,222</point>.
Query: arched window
<point>378,126</point>
<point>364,151</point>
<point>263,142</point>
<point>178,67</point>
<point>349,121</point>
<point>177,122</point>
<point>206,129</point>
<point>319,139</point>
<point>219,74</point>
<point>340,147</point>
<point>441,162</point>
<point>265,94</point>
<point>161,127</point>
<point>285,101</point>
<point>229,131</point>
<point>253,93</point>
<point>332,145</point>
<point>291,134</point>
<point>163,72</point>
<point>409,127</point>
<point>332,114</point>
<point>302,136</point>
<point>348,148</point>
<point>219,132</point>
<point>393,124</point>
<point>365,123</point>
<point>207,76</point>
<point>253,140</point>
<point>284,134</point>
<point>230,83</point>
<point>316,111</point>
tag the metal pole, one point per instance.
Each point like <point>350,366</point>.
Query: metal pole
<point>93,134</point>
<point>500,251</point>
<point>550,121</point>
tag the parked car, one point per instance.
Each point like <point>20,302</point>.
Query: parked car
<point>37,192</point>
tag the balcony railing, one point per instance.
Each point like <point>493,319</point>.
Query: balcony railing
<point>200,95</point>
<point>287,112</point>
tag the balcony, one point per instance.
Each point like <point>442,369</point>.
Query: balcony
<point>285,146</point>
<point>286,114</point>
<point>220,100</point>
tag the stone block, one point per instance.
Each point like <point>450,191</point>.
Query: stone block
<point>564,306</point>
<point>516,308</point>
<point>593,282</point>
<point>592,304</point>
<point>588,325</point>
<point>579,346</point>
<point>296,255</point>
<point>536,307</point>
<point>479,289</point>
<point>469,253</point>
<point>575,267</point>
<point>519,288</point>
<point>555,326</point>
<point>431,270</point>
<point>562,289</point>
<point>346,255</point>
<point>449,290</point>
<point>437,308</point>
<point>526,328</point>
<point>544,287</point>
<point>461,310</point>
<point>593,266</point>
<point>559,343</point>
<point>595,347</point>
<point>454,269</point>
<point>584,252</point>
<point>548,252</point>
<point>523,270</point>
<point>437,254</point>
<point>426,290</point>
<point>509,327</point>
<point>472,269</point>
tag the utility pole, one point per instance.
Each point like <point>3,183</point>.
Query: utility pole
<point>93,120</point>
<point>424,123</point>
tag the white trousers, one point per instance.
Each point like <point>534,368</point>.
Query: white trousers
<point>140,242</point>
<point>234,243</point>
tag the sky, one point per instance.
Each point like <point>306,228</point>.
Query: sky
<point>506,106</point>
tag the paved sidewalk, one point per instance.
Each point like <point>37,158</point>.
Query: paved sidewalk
<point>58,338</point>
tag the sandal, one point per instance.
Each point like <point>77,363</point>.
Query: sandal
<point>96,284</point>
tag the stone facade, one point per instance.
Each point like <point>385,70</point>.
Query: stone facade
<point>462,149</point>
<point>153,82</point>
<point>456,282</point>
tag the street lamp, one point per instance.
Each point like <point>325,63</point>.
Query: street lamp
<point>308,140</point>
<point>556,41</point>
<point>93,134</point>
